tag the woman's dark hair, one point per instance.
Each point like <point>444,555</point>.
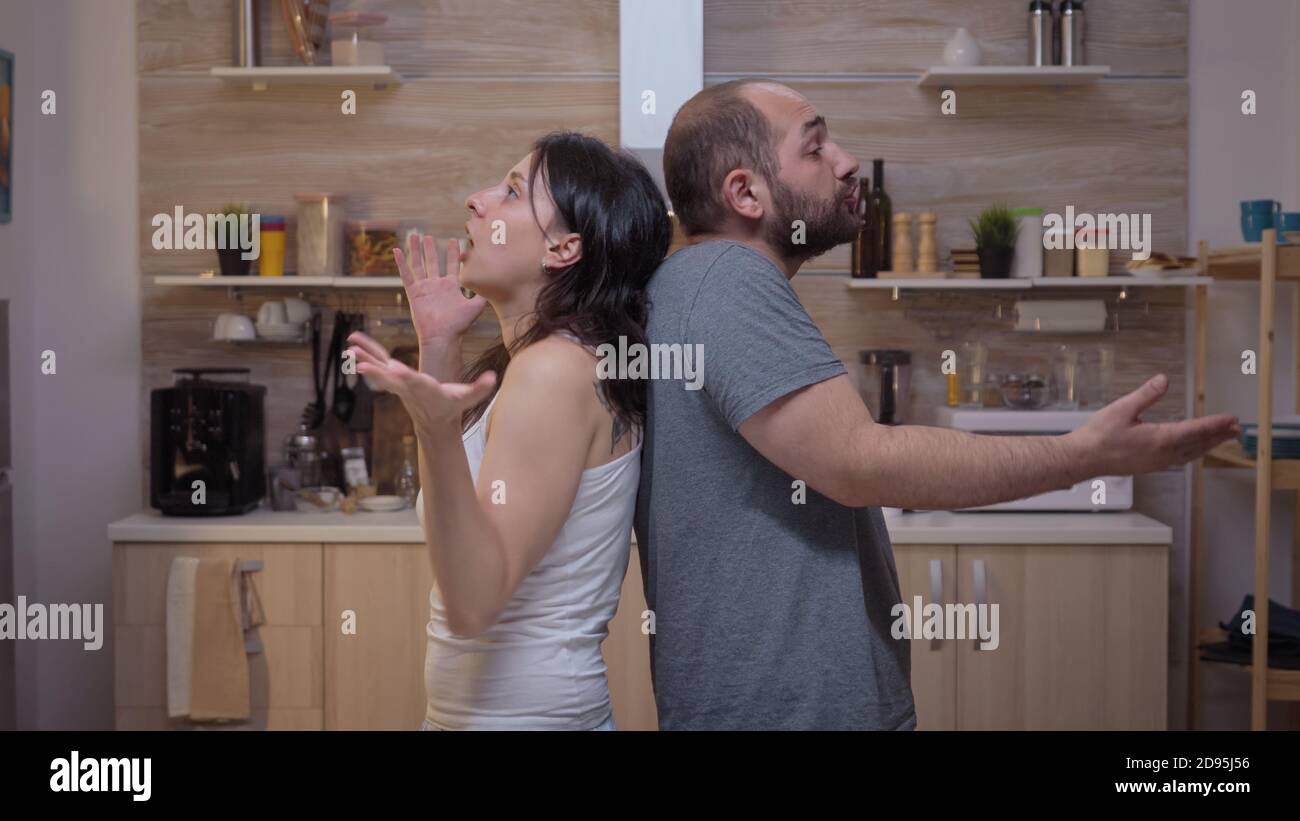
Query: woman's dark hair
<point>607,197</point>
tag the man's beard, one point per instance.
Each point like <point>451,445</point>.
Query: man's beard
<point>827,223</point>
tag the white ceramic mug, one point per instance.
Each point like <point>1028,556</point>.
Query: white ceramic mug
<point>272,312</point>
<point>240,327</point>
<point>297,310</point>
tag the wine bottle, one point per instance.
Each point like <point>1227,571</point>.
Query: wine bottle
<point>878,242</point>
<point>860,210</point>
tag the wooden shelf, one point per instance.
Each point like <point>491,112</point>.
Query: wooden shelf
<point>963,76</point>
<point>1241,262</point>
<point>259,78</point>
<point>1286,472</point>
<point>254,281</point>
<point>1019,284</point>
<point>1283,684</point>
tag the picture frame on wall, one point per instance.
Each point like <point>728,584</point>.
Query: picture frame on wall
<point>6,135</point>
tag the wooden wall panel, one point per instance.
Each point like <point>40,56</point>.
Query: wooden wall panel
<point>908,36</point>
<point>414,152</point>
<point>421,37</point>
<point>1119,146</point>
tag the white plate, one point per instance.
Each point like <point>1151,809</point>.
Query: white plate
<point>381,504</point>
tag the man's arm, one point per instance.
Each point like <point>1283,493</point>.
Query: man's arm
<point>824,435</point>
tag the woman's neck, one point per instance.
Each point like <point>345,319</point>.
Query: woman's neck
<point>515,320</point>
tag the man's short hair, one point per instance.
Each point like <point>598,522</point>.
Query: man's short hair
<point>714,133</point>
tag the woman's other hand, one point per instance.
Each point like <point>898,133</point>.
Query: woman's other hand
<point>434,406</point>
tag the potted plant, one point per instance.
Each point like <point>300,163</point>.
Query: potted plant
<point>995,241</point>
<point>230,258</point>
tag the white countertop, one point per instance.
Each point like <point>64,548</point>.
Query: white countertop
<point>402,527</point>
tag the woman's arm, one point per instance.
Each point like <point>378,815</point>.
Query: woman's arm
<point>484,540</point>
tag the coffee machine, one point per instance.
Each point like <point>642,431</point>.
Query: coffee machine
<point>206,455</point>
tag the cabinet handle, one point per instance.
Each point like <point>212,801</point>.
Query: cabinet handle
<point>981,589</point>
<point>936,593</point>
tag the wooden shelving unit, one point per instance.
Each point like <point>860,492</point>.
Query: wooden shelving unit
<point>1265,262</point>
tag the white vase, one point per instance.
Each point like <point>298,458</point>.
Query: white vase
<point>961,50</point>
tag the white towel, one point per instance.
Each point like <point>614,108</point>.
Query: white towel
<point>180,634</point>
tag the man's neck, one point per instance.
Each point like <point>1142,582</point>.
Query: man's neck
<point>789,267</point>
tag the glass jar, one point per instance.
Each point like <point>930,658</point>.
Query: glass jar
<point>407,482</point>
<point>370,245</point>
<point>320,234</point>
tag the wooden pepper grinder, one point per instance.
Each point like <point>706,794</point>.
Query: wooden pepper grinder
<point>903,243</point>
<point>927,255</point>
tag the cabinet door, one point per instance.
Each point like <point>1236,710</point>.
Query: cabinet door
<point>929,571</point>
<point>286,689</point>
<point>627,656</point>
<point>375,676</point>
<point>1081,637</point>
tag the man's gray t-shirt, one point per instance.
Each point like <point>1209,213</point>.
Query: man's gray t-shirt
<point>768,614</point>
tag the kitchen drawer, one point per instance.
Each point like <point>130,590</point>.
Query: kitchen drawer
<point>289,582</point>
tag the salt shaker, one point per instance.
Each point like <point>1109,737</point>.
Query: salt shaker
<point>927,255</point>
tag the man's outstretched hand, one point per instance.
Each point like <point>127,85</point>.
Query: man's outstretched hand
<point>1116,442</point>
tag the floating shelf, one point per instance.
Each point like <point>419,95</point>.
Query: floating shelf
<point>254,281</point>
<point>962,76</point>
<point>259,78</point>
<point>1020,284</point>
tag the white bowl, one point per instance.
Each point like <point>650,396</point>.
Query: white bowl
<point>381,504</point>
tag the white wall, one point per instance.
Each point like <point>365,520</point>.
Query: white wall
<point>1236,46</point>
<point>71,268</point>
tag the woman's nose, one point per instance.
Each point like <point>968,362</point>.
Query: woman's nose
<point>474,203</point>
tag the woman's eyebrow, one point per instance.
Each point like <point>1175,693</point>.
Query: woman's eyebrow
<point>515,175</point>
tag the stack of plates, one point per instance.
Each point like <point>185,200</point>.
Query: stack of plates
<point>1286,438</point>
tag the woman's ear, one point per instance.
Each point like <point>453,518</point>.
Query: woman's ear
<point>564,252</point>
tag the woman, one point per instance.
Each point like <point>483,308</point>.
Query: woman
<point>531,487</point>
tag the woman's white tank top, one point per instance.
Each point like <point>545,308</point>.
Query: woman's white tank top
<point>540,665</point>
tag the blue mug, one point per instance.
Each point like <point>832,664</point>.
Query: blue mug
<point>1257,216</point>
<point>1287,222</point>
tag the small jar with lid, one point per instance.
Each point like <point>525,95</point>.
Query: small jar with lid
<point>320,234</point>
<point>370,245</point>
<point>1091,254</point>
<point>351,39</point>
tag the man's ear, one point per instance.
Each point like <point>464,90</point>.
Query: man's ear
<point>741,191</point>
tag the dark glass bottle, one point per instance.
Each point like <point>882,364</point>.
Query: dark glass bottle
<point>855,253</point>
<point>877,247</point>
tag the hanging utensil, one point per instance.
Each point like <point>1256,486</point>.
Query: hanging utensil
<point>363,413</point>
<point>314,414</point>
<point>344,397</point>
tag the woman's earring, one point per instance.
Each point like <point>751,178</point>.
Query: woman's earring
<point>545,270</point>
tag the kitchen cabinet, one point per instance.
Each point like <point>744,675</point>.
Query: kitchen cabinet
<point>1082,636</point>
<point>344,636</point>
<point>286,679</point>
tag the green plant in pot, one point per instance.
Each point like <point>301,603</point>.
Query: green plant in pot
<point>230,258</point>
<point>995,241</point>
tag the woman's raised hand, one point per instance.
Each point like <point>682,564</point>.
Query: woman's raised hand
<point>431,404</point>
<point>438,308</point>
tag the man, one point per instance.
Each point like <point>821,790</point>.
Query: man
<point>770,613</point>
